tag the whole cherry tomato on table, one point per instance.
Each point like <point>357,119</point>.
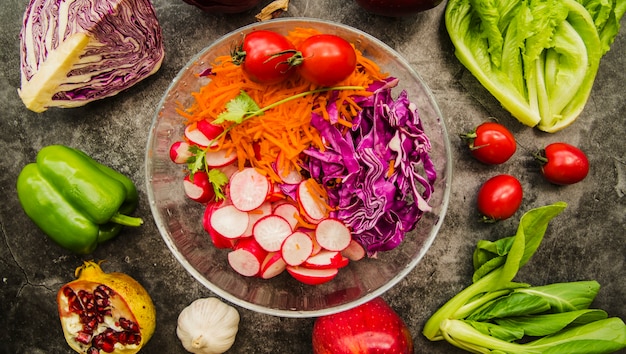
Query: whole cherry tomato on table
<point>325,59</point>
<point>263,56</point>
<point>499,198</point>
<point>562,163</point>
<point>491,143</point>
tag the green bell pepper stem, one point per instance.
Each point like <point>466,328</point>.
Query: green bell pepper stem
<point>126,220</point>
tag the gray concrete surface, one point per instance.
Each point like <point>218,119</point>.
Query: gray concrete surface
<point>587,241</point>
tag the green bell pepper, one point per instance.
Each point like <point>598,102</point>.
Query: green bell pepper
<point>75,200</point>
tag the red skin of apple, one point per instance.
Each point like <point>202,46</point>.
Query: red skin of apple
<point>397,8</point>
<point>373,327</point>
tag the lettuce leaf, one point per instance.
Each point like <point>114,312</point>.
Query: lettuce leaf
<point>538,58</point>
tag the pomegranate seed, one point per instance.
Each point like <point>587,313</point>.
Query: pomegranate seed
<point>83,337</point>
<point>93,350</point>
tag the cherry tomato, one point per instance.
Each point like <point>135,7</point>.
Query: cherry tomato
<point>326,59</point>
<point>563,163</point>
<point>260,58</point>
<point>491,143</point>
<point>499,197</point>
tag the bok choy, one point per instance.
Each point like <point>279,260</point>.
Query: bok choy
<point>538,58</point>
<point>497,315</point>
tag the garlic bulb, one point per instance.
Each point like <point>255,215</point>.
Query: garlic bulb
<point>207,326</point>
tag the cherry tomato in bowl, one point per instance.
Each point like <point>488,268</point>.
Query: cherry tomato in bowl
<point>263,56</point>
<point>491,143</point>
<point>563,164</point>
<point>325,59</point>
<point>499,197</point>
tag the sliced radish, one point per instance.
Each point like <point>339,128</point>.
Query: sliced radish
<point>255,215</point>
<point>273,265</point>
<point>210,131</point>
<point>288,174</point>
<point>218,240</point>
<point>270,232</point>
<point>229,221</point>
<point>326,259</point>
<point>219,158</point>
<point>195,136</point>
<point>248,189</point>
<point>179,152</point>
<point>354,251</point>
<point>311,276</point>
<point>312,203</point>
<point>247,257</point>
<point>198,188</point>
<point>296,248</point>
<point>333,234</point>
<point>289,212</point>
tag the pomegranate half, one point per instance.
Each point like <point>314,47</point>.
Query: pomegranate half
<point>105,312</point>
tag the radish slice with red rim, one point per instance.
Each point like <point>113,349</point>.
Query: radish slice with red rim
<point>296,248</point>
<point>326,259</point>
<point>333,234</point>
<point>270,232</point>
<point>229,221</point>
<point>289,212</point>
<point>248,189</point>
<point>247,257</point>
<point>311,276</point>
<point>273,265</point>
<point>312,204</point>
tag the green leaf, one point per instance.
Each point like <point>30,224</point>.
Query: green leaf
<point>490,255</point>
<point>237,109</point>
<point>603,336</point>
<point>514,304</point>
<point>508,334</point>
<point>218,180</point>
<point>568,296</point>
<point>546,324</point>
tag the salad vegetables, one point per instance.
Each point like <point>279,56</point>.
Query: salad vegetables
<point>497,314</point>
<point>306,176</point>
<point>538,58</point>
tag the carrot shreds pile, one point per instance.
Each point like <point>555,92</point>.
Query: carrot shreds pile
<point>280,134</point>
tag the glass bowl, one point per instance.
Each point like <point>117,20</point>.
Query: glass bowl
<point>179,219</point>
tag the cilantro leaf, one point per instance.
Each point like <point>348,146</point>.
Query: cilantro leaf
<point>218,180</point>
<point>237,109</point>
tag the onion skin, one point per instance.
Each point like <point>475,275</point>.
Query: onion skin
<point>224,6</point>
<point>397,8</point>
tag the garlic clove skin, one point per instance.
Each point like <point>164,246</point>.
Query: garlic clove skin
<point>207,326</point>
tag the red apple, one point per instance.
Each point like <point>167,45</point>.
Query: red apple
<point>373,327</point>
<point>397,8</point>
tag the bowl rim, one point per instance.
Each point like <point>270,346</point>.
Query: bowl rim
<point>446,177</point>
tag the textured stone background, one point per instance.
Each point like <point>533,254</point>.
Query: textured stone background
<point>587,241</point>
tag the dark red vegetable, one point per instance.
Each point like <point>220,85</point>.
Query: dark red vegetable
<point>224,6</point>
<point>397,8</point>
<point>260,56</point>
<point>563,164</point>
<point>499,198</point>
<point>491,143</point>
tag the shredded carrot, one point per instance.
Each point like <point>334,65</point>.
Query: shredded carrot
<point>285,128</point>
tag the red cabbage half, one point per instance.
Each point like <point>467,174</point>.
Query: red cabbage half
<point>77,51</point>
<point>378,202</point>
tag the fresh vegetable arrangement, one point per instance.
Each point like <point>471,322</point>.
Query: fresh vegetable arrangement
<point>538,58</point>
<point>105,312</point>
<point>77,51</point>
<point>78,202</point>
<point>373,327</point>
<point>497,314</point>
<point>303,170</point>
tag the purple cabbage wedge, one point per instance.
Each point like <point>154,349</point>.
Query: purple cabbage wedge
<point>76,51</point>
<point>383,165</point>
